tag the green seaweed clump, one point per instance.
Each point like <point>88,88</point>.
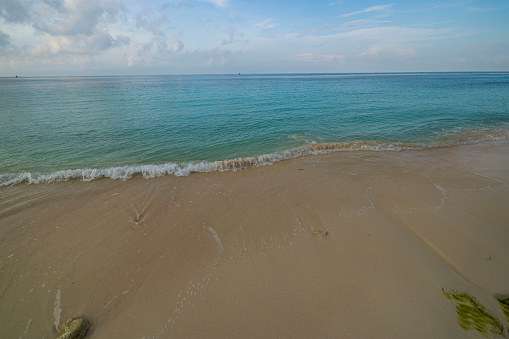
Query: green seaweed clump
<point>473,316</point>
<point>504,303</point>
<point>74,328</point>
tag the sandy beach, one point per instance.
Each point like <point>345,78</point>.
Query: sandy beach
<point>339,245</point>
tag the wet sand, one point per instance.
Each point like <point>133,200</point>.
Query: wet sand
<point>346,244</point>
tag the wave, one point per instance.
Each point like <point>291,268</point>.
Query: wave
<point>461,137</point>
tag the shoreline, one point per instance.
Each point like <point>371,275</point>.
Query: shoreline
<point>469,136</point>
<point>353,244</point>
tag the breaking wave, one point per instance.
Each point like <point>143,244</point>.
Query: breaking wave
<point>462,137</point>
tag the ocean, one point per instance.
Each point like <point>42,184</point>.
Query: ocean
<point>61,128</point>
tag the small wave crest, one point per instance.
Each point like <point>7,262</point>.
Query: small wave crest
<point>461,137</point>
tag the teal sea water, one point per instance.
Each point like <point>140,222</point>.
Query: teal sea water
<point>58,128</point>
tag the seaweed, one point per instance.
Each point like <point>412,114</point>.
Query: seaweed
<point>504,303</point>
<point>473,316</point>
<point>74,328</point>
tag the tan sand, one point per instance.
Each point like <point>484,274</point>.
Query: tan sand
<point>342,245</point>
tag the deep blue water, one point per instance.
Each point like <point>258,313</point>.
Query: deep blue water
<point>61,127</point>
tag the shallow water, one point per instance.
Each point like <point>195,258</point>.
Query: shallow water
<point>88,127</point>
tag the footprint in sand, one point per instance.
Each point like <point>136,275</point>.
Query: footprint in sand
<point>139,215</point>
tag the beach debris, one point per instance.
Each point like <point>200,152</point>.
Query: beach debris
<point>74,328</point>
<point>320,233</point>
<point>473,316</point>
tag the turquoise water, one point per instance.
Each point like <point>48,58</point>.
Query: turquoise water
<point>59,128</point>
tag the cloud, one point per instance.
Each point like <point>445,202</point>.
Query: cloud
<point>65,26</point>
<point>94,44</point>
<point>216,59</point>
<point>176,45</point>
<point>160,45</point>
<point>393,51</point>
<point>233,36</point>
<point>361,23</point>
<point>394,33</point>
<point>180,5</point>
<point>320,58</point>
<point>4,39</point>
<point>370,9</point>
<point>15,11</point>
<point>265,24</point>
<point>74,17</point>
<point>122,40</point>
<point>147,20</point>
<point>151,37</point>
<point>448,4</point>
<point>210,24</point>
<point>218,3</point>
<point>154,24</point>
<point>485,9</point>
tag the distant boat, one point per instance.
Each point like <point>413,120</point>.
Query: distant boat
<point>16,75</point>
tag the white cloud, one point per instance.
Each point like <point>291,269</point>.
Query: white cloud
<point>393,51</point>
<point>448,4</point>
<point>362,22</point>
<point>176,45</point>
<point>216,60</point>
<point>320,58</point>
<point>74,17</point>
<point>218,3</point>
<point>485,9</point>
<point>210,24</point>
<point>265,24</point>
<point>157,25</point>
<point>394,34</point>
<point>180,5</point>
<point>370,9</point>
<point>64,26</point>
<point>371,51</point>
<point>234,36</point>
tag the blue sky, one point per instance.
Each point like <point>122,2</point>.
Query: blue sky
<point>117,37</point>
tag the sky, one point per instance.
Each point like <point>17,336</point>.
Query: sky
<point>145,37</point>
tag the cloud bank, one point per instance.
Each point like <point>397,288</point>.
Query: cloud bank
<point>85,37</point>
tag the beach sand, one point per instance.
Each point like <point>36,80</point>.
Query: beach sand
<point>338,245</point>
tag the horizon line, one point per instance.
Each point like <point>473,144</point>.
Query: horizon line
<point>283,73</point>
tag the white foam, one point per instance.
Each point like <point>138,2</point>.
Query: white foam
<point>441,189</point>
<point>485,176</point>
<point>444,195</point>
<point>26,328</point>
<point>216,237</point>
<point>129,289</point>
<point>58,309</point>
<point>182,169</point>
